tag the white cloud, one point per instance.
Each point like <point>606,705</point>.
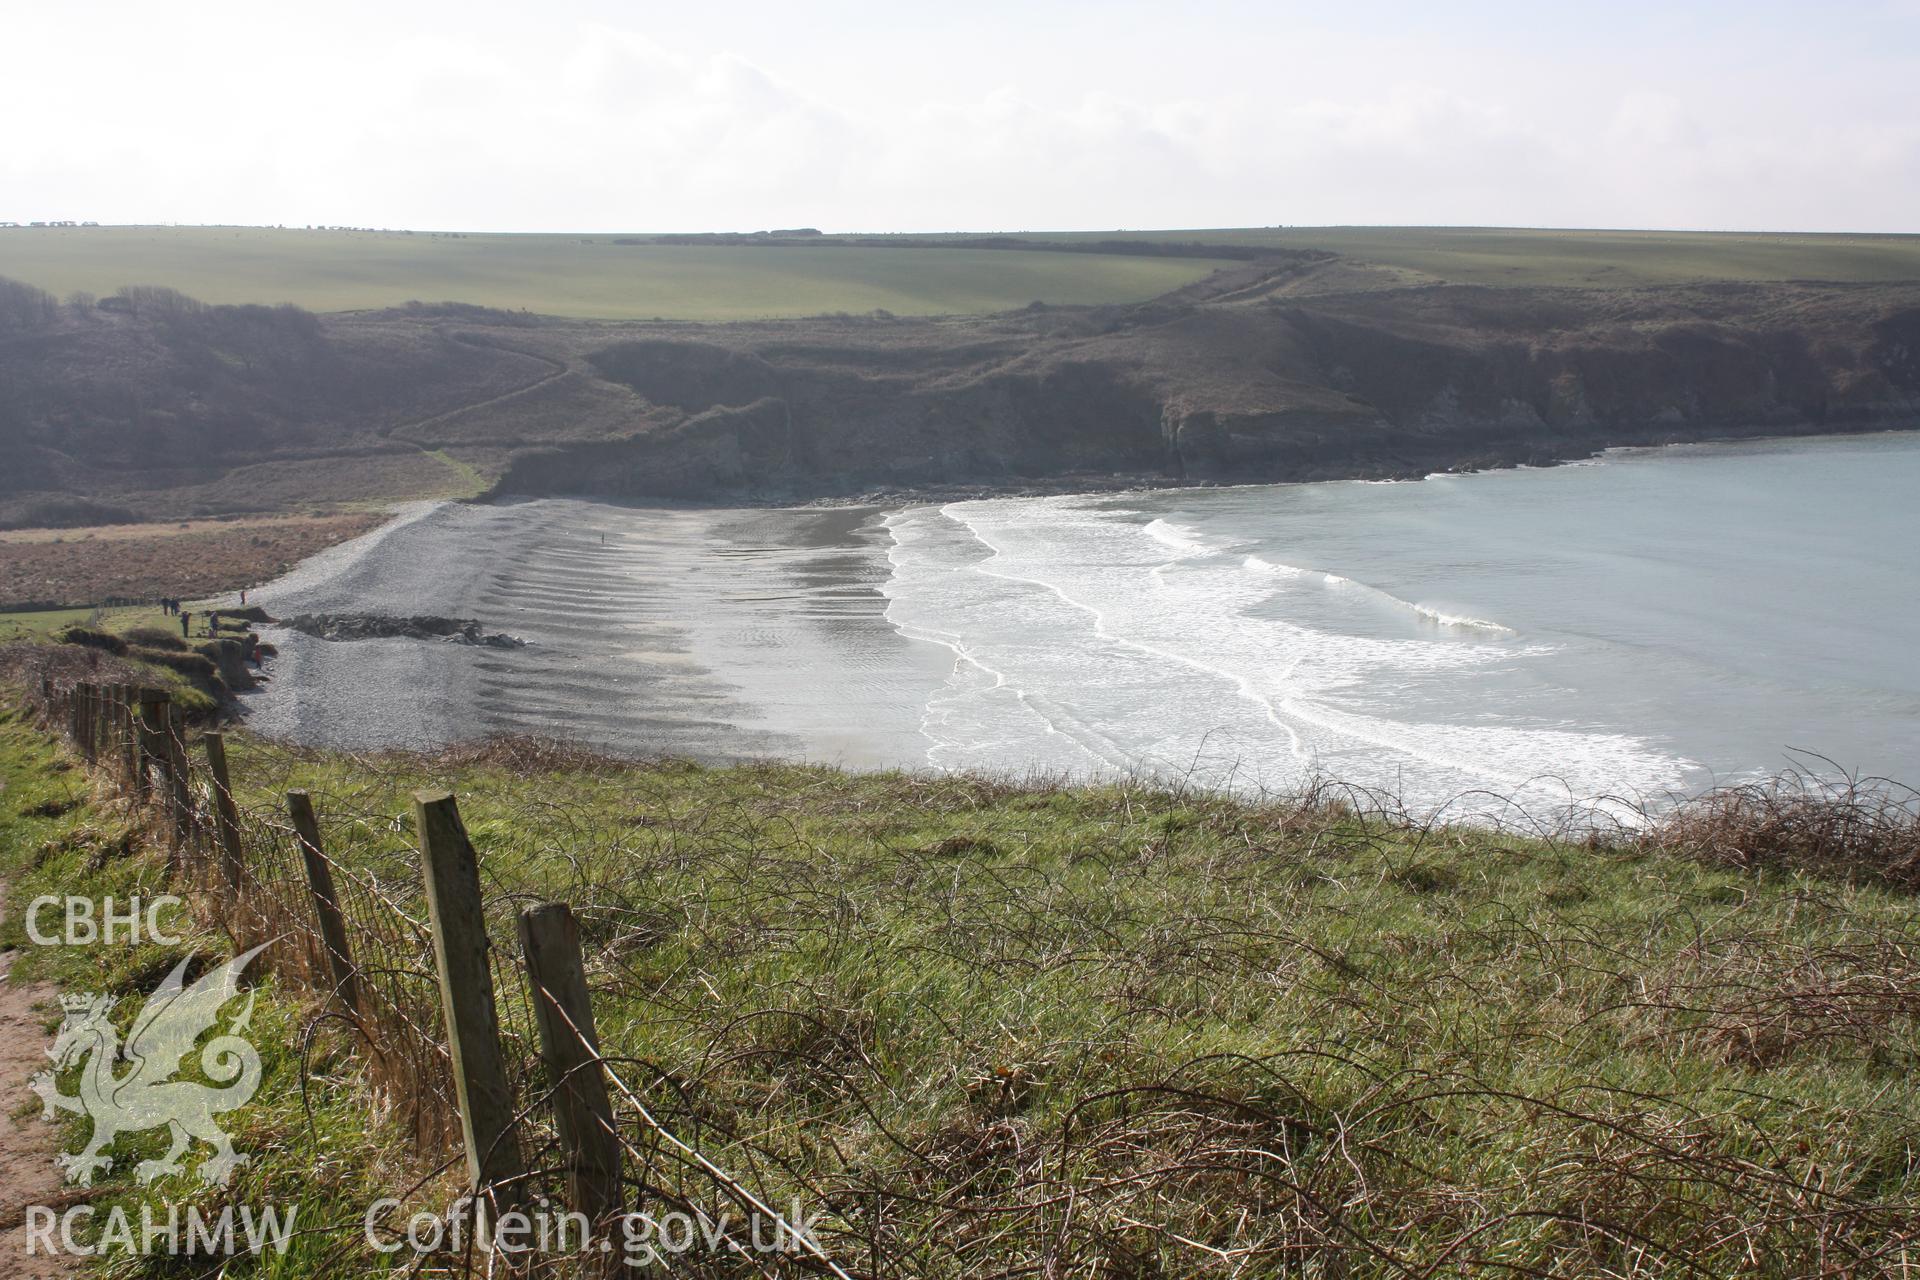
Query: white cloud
<point>582,117</point>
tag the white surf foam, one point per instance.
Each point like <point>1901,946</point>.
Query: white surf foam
<point>1182,538</point>
<point>1103,654</point>
<point>1459,620</point>
<point>1430,613</point>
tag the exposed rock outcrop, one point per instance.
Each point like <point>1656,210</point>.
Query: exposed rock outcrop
<point>365,626</point>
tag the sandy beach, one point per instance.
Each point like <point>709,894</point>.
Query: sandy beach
<point>714,634</point>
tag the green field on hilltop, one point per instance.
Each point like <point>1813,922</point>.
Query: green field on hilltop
<point>587,276</point>
<point>1518,256</point>
<point>596,277</point>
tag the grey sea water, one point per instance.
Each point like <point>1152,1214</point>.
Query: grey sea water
<point>1650,623</point>
<point>1655,621</point>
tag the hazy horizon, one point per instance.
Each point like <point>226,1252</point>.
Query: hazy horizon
<point>22,223</point>
<point>1071,116</point>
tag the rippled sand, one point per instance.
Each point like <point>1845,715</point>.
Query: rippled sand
<point>708,633</point>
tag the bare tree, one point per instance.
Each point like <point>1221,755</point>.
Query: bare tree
<point>24,308</point>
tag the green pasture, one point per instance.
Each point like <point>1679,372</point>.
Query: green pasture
<point>39,624</point>
<point>574,275</point>
<point>593,276</point>
<point>1589,259</point>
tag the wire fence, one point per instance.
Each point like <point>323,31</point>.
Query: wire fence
<point>477,1058</point>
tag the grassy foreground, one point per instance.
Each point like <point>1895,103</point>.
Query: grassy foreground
<point>995,1029</point>
<point>307,1126</point>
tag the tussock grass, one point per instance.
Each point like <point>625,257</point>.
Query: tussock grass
<point>1003,1027</point>
<point>1868,829</point>
<point>155,638</point>
<point>991,1027</point>
<point>104,658</point>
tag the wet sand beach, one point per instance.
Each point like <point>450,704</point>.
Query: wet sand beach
<point>715,634</point>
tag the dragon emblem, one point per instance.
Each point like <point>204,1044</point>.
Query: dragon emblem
<point>145,1095</point>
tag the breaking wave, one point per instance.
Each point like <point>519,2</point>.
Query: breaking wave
<point>1081,647</point>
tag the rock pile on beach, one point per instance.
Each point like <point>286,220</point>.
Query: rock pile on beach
<point>368,626</point>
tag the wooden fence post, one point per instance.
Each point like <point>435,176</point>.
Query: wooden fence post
<point>126,718</point>
<point>455,908</point>
<point>179,790</point>
<point>150,718</point>
<point>109,735</point>
<point>77,716</point>
<point>326,903</point>
<point>88,721</point>
<point>569,1046</point>
<point>116,713</point>
<point>225,813</point>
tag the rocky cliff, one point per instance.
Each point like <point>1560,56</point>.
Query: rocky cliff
<point>1392,382</point>
<point>1272,370</point>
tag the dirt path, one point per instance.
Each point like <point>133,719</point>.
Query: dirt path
<point>404,431</point>
<point>27,1143</point>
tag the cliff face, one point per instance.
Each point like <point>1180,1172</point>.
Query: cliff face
<point>200,411</point>
<point>104,414</point>
<point>1387,383</point>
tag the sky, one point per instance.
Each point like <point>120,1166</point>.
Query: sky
<point>590,115</point>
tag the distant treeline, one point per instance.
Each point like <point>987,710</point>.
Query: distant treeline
<point>470,313</point>
<point>1132,248</point>
<point>161,383</point>
<point>25,309</point>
